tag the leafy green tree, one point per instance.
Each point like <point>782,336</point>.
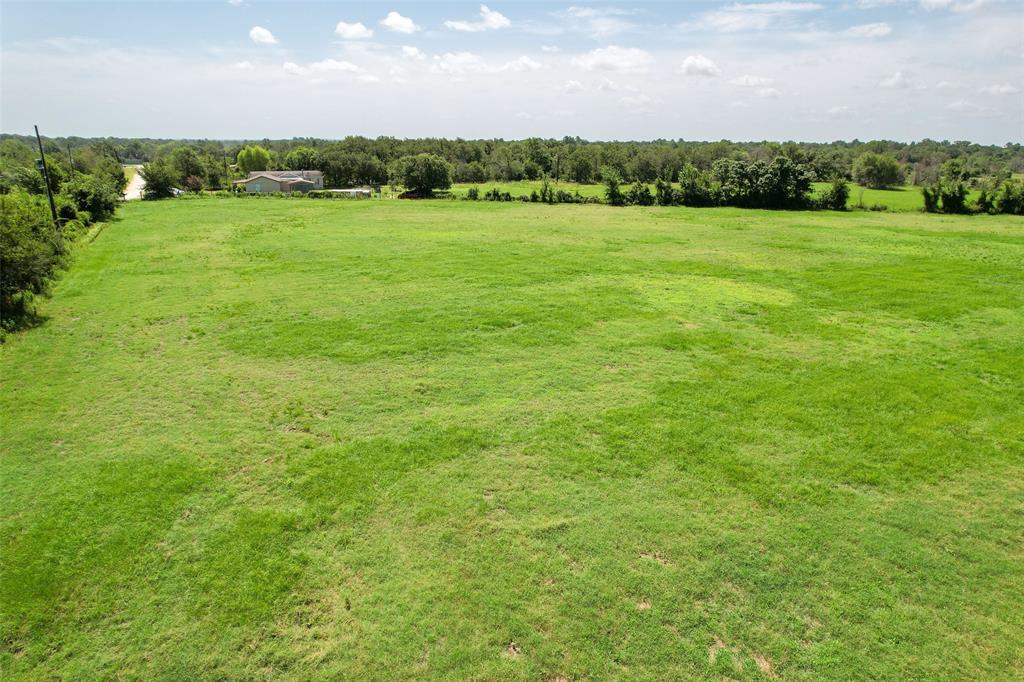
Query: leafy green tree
<point>303,158</point>
<point>185,162</point>
<point>424,173</point>
<point>31,249</point>
<point>612,192</point>
<point>253,158</point>
<point>161,179</point>
<point>878,171</point>
<point>96,195</point>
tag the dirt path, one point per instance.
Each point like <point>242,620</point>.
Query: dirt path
<point>135,186</point>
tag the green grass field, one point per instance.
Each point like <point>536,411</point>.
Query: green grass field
<point>292,439</point>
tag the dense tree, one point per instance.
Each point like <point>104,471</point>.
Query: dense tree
<point>253,158</point>
<point>161,179</point>
<point>303,158</point>
<point>878,171</point>
<point>424,173</point>
<point>185,162</point>
<point>31,248</point>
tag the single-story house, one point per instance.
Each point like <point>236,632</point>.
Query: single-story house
<point>283,181</point>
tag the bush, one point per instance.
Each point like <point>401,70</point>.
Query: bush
<point>31,249</point>
<point>89,193</point>
<point>931,198</point>
<point>473,194</point>
<point>424,173</point>
<point>639,195</point>
<point>193,183</point>
<point>1011,198</point>
<point>954,197</point>
<point>877,171</point>
<point>836,196</point>
<point>612,193</point>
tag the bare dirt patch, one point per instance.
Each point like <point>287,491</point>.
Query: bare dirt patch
<point>713,650</point>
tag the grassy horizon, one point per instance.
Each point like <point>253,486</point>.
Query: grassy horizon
<point>290,439</point>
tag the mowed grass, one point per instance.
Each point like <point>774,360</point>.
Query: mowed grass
<point>291,439</point>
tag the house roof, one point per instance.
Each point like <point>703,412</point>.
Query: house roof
<point>276,176</point>
<point>287,174</point>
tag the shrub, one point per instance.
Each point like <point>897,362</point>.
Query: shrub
<point>878,171</point>
<point>639,195</point>
<point>612,193</point>
<point>1011,198</point>
<point>931,198</point>
<point>954,197</point>
<point>193,183</point>
<point>835,197</point>
<point>95,195</point>
<point>473,194</point>
<point>31,249</point>
<point>664,194</point>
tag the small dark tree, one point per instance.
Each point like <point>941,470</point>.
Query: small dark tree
<point>931,198</point>
<point>639,195</point>
<point>954,197</point>
<point>835,197</point>
<point>612,193</point>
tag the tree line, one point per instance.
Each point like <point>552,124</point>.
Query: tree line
<point>365,161</point>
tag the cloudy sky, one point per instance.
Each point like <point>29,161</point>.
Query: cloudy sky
<point>898,69</point>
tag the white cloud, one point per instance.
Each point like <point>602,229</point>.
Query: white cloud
<point>368,78</point>
<point>836,112</point>
<point>235,3</point>
<point>748,81</point>
<point>963,106</point>
<point>412,52</point>
<point>768,93</point>
<point>459,63</point>
<point>573,87</point>
<point>243,66</point>
<point>876,30</point>
<point>699,65</point>
<point>1000,89</point>
<point>614,58</point>
<point>524,63</point>
<point>321,68</point>
<point>399,24</point>
<point>597,23</point>
<point>955,5</point>
<point>489,20</point>
<point>948,85</point>
<point>753,16</point>
<point>262,36</point>
<point>550,48</point>
<point>872,4</point>
<point>896,81</point>
<point>639,101</point>
<point>356,31</point>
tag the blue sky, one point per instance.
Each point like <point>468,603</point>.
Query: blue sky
<point>900,69</point>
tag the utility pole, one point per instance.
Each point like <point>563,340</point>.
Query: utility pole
<point>46,177</point>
